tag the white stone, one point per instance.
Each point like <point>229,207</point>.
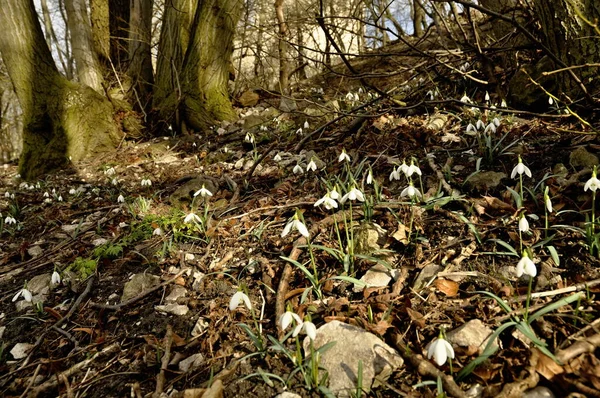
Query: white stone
<point>20,350</point>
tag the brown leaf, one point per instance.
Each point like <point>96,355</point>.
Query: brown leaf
<point>449,288</point>
<point>545,365</point>
<point>416,317</point>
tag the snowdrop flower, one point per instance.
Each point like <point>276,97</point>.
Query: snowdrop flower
<point>308,328</point>
<point>523,224</point>
<point>547,200</point>
<point>471,129</point>
<point>114,181</point>
<point>277,158</point>
<point>440,350</point>
<point>203,192</point>
<point>55,278</point>
<point>46,194</point>
<point>72,191</point>
<point>333,194</point>
<point>410,170</point>
<point>298,169</point>
<point>404,167</point>
<point>146,182</point>
<point>157,232</point>
<point>343,156</point>
<point>360,90</point>
<point>520,168</point>
<point>60,198</point>
<point>353,194</point>
<point>249,138</point>
<point>526,266</point>
<point>410,191</point>
<point>465,99</point>
<point>480,125</point>
<point>306,125</point>
<point>286,320</point>
<point>503,104</point>
<point>120,199</point>
<point>327,201</point>
<point>550,100</point>
<point>296,224</point>
<point>350,96</point>
<point>487,97</point>
<point>238,298</point>
<point>299,131</point>
<point>593,183</point>
<point>370,177</point>
<point>496,122</point>
<point>9,220</point>
<point>312,166</point>
<point>191,217</point>
<point>27,296</point>
<point>490,128</point>
<point>395,174</point>
<point>110,171</point>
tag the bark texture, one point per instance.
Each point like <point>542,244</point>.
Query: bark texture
<point>61,119</point>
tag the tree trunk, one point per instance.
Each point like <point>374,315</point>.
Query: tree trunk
<point>61,120</point>
<point>88,67</point>
<point>283,35</point>
<point>139,72</point>
<point>118,22</point>
<point>573,40</point>
<point>99,16</point>
<point>192,88</point>
<point>418,18</point>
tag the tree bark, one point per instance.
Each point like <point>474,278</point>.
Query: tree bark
<point>99,16</point>
<point>61,119</point>
<point>139,72</point>
<point>89,71</point>
<point>283,33</point>
<point>118,22</point>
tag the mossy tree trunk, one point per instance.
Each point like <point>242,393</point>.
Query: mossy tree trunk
<point>140,71</point>
<point>195,51</point>
<point>571,36</point>
<point>61,119</point>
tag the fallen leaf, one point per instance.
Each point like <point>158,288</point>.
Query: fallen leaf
<point>449,288</point>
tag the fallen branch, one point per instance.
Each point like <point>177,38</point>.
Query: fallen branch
<point>160,379</point>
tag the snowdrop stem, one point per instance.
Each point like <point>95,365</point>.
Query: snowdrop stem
<point>521,188</point>
<point>520,241</point>
<point>545,222</point>
<point>593,221</point>
<point>313,262</point>
<point>526,314</point>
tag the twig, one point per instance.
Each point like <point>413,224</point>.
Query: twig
<point>31,380</point>
<point>137,298</point>
<point>259,160</point>
<point>160,379</point>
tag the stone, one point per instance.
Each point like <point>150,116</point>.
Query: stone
<point>175,309</point>
<point>40,284</point>
<point>35,251</point>
<point>176,293</point>
<point>353,344</point>
<point>377,276</point>
<point>20,350</point>
<point>248,98</point>
<point>581,158</point>
<point>486,180</point>
<point>287,394</point>
<point>369,238</point>
<point>138,284</point>
<point>473,333</point>
<point>191,363</point>
<point>538,392</point>
<point>428,272</point>
<point>287,105</point>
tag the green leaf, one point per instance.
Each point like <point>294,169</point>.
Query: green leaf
<point>302,268</point>
<point>554,255</point>
<point>350,279</point>
<point>556,305</point>
<point>507,246</point>
<point>500,302</point>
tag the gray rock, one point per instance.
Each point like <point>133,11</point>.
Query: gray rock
<point>425,276</point>
<point>538,392</point>
<point>580,157</point>
<point>287,105</point>
<point>176,293</point>
<point>35,251</point>
<point>353,344</point>
<point>192,362</point>
<point>378,276</point>
<point>473,333</point>
<point>486,180</point>
<point>287,394</point>
<point>138,284</point>
<point>369,238</point>
<point>175,309</point>
<point>20,350</point>
<point>40,284</point>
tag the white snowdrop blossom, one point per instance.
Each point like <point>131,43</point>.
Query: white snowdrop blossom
<point>72,191</point>
<point>192,217</point>
<point>327,201</point>
<point>343,156</point>
<point>203,192</point>
<point>440,350</point>
<point>333,194</point>
<point>7,194</point>
<point>471,129</point>
<point>306,125</point>
<point>520,168</point>
<point>277,158</point>
<point>503,104</point>
<point>296,224</point>
<point>487,96</point>
<point>547,200</point>
<point>496,122</point>
<point>46,195</point>
<point>249,138</point>
<point>523,224</point>
<point>120,199</point>
<point>27,296</point>
<point>410,170</point>
<point>286,320</point>
<point>55,278</point>
<point>299,131</point>
<point>298,169</point>
<point>465,99</point>
<point>312,166</point>
<point>370,177</point>
<point>238,298</point>
<point>411,192</point>
<point>60,198</point>
<point>526,266</point>
<point>353,194</point>
<point>146,182</point>
<point>593,183</point>
<point>308,328</point>
<point>157,232</point>
<point>350,96</point>
<point>491,128</point>
<point>395,174</point>
<point>550,100</point>
<point>9,220</point>
<point>480,125</point>
<point>110,171</point>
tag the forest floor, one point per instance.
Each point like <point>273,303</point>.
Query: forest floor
<point>93,334</point>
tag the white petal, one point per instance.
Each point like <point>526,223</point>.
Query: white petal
<point>287,229</point>
<point>286,320</point>
<point>530,268</point>
<point>301,228</point>
<point>527,171</point>
<point>297,330</point>
<point>440,354</point>
<point>523,224</point>
<point>360,196</point>
<point>16,296</point>
<point>55,278</point>
<point>334,194</point>
<point>311,330</point>
<point>549,205</point>
<point>514,171</point>
<point>27,295</point>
